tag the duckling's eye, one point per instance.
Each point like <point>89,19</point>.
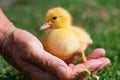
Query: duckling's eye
<point>54,18</point>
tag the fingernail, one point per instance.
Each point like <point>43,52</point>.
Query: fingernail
<point>61,72</point>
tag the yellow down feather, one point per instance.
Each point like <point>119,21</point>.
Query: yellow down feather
<point>62,39</point>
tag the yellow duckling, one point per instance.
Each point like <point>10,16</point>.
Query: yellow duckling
<point>62,39</point>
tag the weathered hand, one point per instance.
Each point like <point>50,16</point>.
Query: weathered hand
<point>96,62</point>
<point>26,53</point>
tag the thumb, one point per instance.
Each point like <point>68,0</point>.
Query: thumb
<point>51,64</point>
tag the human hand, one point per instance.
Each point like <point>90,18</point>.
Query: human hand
<point>26,53</point>
<point>96,62</point>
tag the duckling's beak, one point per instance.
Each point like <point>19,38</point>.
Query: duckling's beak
<point>45,26</point>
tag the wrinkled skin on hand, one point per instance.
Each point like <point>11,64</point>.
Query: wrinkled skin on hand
<point>26,53</point>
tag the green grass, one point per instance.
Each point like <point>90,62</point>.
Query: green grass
<point>99,17</point>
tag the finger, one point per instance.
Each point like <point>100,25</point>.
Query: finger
<point>97,53</point>
<point>105,63</point>
<point>92,65</point>
<point>50,63</point>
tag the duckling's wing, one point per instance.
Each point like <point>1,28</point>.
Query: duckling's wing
<point>83,36</point>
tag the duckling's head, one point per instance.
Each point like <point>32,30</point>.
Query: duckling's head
<point>57,18</point>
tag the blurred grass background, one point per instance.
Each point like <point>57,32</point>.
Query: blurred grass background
<point>101,18</point>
